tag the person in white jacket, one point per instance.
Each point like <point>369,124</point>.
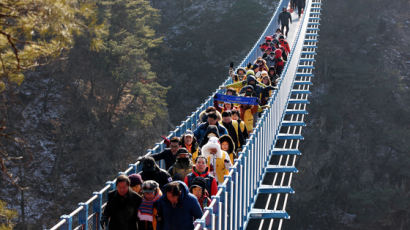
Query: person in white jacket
<point>218,160</point>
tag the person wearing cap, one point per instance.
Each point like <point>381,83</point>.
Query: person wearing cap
<point>198,188</point>
<point>135,182</point>
<point>121,211</point>
<point>201,170</point>
<point>231,91</point>
<point>146,211</point>
<point>248,111</point>
<point>177,208</point>
<point>212,119</point>
<point>284,19</point>
<point>234,131</point>
<point>151,171</point>
<point>218,160</point>
<point>169,154</point>
<point>283,43</point>
<point>189,142</point>
<point>183,165</point>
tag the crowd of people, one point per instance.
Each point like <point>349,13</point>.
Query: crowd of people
<point>196,162</point>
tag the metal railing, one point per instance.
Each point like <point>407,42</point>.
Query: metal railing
<point>231,204</point>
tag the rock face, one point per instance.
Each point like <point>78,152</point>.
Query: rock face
<point>353,173</point>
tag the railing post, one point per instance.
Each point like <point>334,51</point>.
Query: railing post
<point>217,211</point>
<point>208,221</point>
<point>134,168</point>
<point>222,210</point>
<point>83,216</point>
<point>112,185</point>
<point>68,225</point>
<point>200,222</point>
<point>97,209</point>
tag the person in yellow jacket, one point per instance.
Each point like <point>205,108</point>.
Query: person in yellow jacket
<point>236,115</point>
<point>218,160</point>
<point>188,141</point>
<point>228,146</point>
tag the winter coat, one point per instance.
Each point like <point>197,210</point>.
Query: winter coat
<point>218,163</point>
<point>161,176</point>
<point>285,45</point>
<point>193,149</point>
<point>231,149</point>
<point>247,115</point>
<point>235,133</point>
<point>167,156</point>
<point>211,184</point>
<point>180,217</point>
<point>242,126</point>
<point>180,170</point>
<point>122,211</point>
<point>203,130</point>
<point>301,3</point>
<point>284,18</point>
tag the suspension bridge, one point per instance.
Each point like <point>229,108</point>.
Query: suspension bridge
<point>255,193</point>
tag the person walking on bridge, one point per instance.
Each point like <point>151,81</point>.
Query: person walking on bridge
<point>177,208</point>
<point>121,211</point>
<point>301,6</point>
<point>284,19</point>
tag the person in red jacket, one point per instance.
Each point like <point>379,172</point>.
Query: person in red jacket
<point>201,170</point>
<point>279,64</point>
<point>283,43</point>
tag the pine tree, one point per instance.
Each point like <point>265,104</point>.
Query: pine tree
<point>33,33</point>
<point>6,217</point>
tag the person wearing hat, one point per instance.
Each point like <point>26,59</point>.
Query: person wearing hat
<point>228,146</point>
<point>151,171</point>
<point>198,188</point>
<point>183,165</point>
<point>146,211</point>
<point>189,142</point>
<point>211,131</point>
<point>212,119</point>
<point>236,115</point>
<point>203,116</point>
<point>234,131</point>
<point>248,111</point>
<point>283,43</point>
<point>135,182</point>
<point>201,170</point>
<point>218,160</point>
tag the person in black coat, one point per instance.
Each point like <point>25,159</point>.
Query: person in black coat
<point>151,171</point>
<point>284,19</point>
<point>301,5</point>
<point>169,154</point>
<point>121,211</point>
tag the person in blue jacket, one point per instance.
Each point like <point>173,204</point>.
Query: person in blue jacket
<point>202,128</point>
<point>177,208</point>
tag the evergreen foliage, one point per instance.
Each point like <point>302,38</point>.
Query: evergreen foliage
<point>7,216</point>
<point>33,33</point>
